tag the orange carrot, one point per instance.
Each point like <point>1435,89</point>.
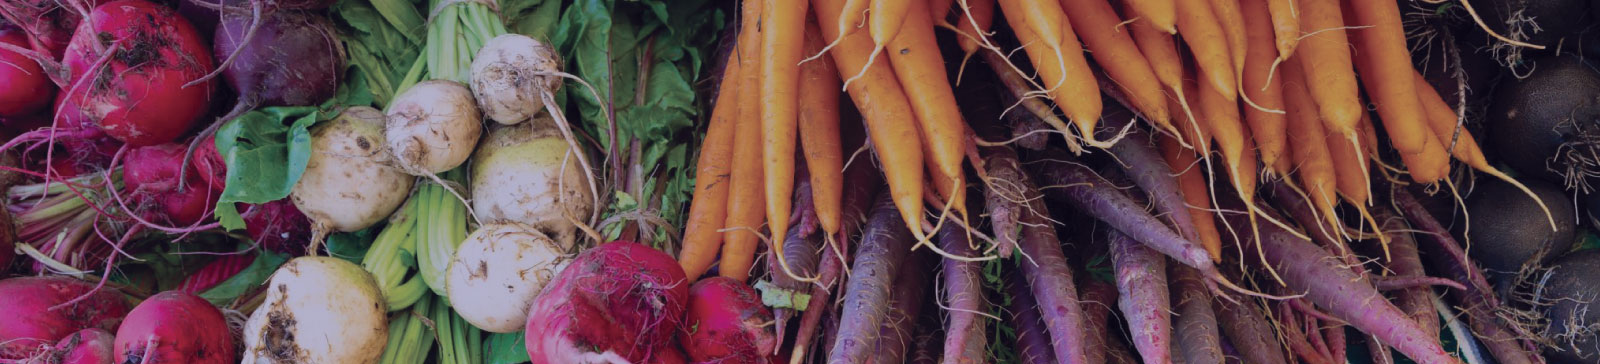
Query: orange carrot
<point>920,69</point>
<point>1308,146</point>
<point>783,25</point>
<point>1198,131</point>
<point>1350,168</point>
<point>1429,162</point>
<point>1200,29</point>
<point>1325,59</point>
<point>1238,153</point>
<point>884,108</point>
<point>1262,86</point>
<point>1193,187</point>
<point>709,209</point>
<point>852,18</point>
<point>1100,28</point>
<point>1161,52</point>
<point>883,23</point>
<point>973,25</point>
<point>1443,122</point>
<point>1231,19</point>
<point>746,202</point>
<point>1389,82</point>
<point>1161,14</point>
<point>1048,38</point>
<point>819,132</point>
<point>1285,25</point>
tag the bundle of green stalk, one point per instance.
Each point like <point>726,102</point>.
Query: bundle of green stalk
<point>422,237</point>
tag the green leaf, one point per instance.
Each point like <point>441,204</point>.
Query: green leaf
<point>265,157</point>
<point>352,246</point>
<point>251,277</point>
<point>508,348</point>
<point>778,297</point>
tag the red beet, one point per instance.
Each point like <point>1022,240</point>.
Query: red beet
<point>31,325</point>
<point>726,323</point>
<point>87,346</point>
<point>608,301</point>
<point>294,59</point>
<point>49,23</point>
<point>129,53</point>
<point>27,89</point>
<point>175,327</point>
<point>278,226</point>
<point>151,177</point>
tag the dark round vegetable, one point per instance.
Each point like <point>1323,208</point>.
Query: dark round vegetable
<point>1509,230</point>
<point>1568,290</point>
<point>1545,125</point>
<point>294,59</point>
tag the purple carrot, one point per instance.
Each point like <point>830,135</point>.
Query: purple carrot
<point>1097,299</point>
<point>830,331</point>
<point>1306,268</point>
<point>1380,352</point>
<point>906,300</point>
<point>966,339</point>
<point>801,252</point>
<point>1404,261</point>
<point>1091,194</point>
<point>1334,333</point>
<point>1004,199</point>
<point>1478,300</point>
<point>1048,273</point>
<point>1395,283</point>
<point>861,183</point>
<point>884,247</point>
<point>1137,157</point>
<point>1033,340</point>
<point>1248,330</point>
<point>1195,321</point>
<point>1142,296</point>
<point>1290,330</point>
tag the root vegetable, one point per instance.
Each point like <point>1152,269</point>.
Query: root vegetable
<point>128,52</point>
<point>175,327</point>
<point>87,346</point>
<point>31,324</point>
<point>607,301</point>
<point>528,174</point>
<point>27,87</point>
<point>727,323</point>
<point>498,271</point>
<point>294,59</point>
<point>346,185</point>
<point>432,127</point>
<point>151,175</point>
<point>318,310</point>
<point>510,74</point>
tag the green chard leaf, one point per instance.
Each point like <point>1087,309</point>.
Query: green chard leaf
<point>507,348</point>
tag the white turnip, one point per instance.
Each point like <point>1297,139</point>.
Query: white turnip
<point>318,310</point>
<point>527,173</point>
<point>498,271</point>
<point>347,185</point>
<point>432,127</point>
<point>510,75</point>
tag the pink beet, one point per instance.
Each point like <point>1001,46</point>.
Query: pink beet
<point>617,301</point>
<point>175,327</point>
<point>128,53</point>
<point>31,325</point>
<point>151,174</point>
<point>726,323</point>
<point>87,346</point>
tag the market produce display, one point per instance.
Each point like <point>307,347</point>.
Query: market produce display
<point>799,181</point>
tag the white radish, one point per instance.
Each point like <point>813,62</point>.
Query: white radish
<point>318,310</point>
<point>510,73</point>
<point>498,271</point>
<point>527,173</point>
<point>348,184</point>
<point>432,127</point>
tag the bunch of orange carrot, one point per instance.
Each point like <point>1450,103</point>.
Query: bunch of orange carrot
<point>782,84</point>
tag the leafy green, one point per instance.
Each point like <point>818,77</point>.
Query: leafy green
<point>779,297</point>
<point>352,246</point>
<point>267,149</point>
<point>604,41</point>
<point>507,348</point>
<point>383,38</point>
<point>251,277</point>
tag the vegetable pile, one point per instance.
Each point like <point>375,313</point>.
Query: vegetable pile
<point>799,181</point>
